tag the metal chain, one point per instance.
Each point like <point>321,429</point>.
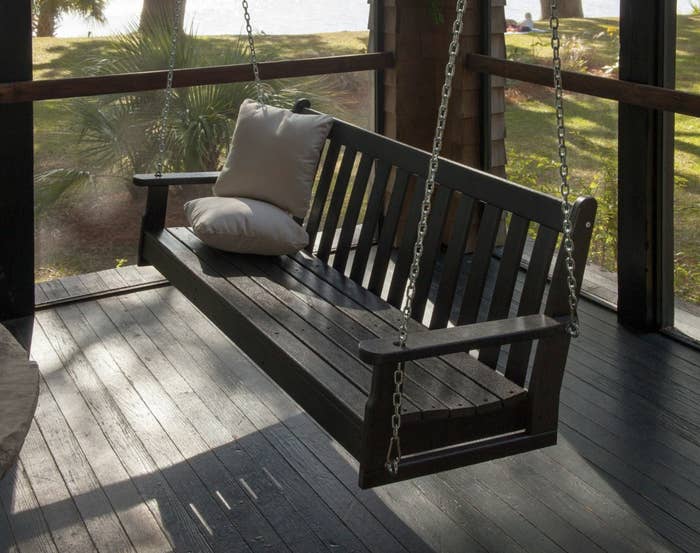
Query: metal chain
<point>253,56</point>
<point>573,327</point>
<point>393,455</point>
<point>168,93</point>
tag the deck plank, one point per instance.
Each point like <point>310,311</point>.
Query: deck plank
<point>26,520</point>
<point>62,516</point>
<point>91,409</point>
<point>187,435</point>
<point>168,360</point>
<point>668,448</point>
<point>218,529</point>
<point>217,383</point>
<point>530,508</point>
<point>109,503</point>
<point>624,477</point>
<point>640,483</point>
<point>7,540</point>
<point>405,498</point>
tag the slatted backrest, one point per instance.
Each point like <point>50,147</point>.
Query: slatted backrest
<point>363,220</point>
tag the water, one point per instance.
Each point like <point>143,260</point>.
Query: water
<point>215,17</point>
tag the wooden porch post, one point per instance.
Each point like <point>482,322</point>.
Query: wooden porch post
<point>16,167</point>
<point>645,245</point>
<point>475,132</point>
<point>412,88</point>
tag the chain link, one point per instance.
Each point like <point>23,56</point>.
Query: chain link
<point>573,328</point>
<point>259,89</point>
<point>168,93</point>
<point>393,455</point>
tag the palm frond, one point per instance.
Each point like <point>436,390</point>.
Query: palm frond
<point>50,186</point>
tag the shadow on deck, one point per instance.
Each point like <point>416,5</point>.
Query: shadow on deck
<point>154,432</point>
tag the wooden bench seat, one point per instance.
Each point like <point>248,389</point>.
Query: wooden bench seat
<point>296,308</point>
<point>322,323</point>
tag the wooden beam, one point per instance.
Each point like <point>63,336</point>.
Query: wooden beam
<point>16,167</point>
<point>633,93</point>
<point>32,91</point>
<point>485,106</point>
<point>377,45</point>
<point>646,171</point>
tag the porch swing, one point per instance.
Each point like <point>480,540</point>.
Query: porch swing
<point>348,344</point>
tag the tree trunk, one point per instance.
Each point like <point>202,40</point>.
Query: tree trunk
<point>158,12</point>
<point>567,8</point>
<point>46,20</point>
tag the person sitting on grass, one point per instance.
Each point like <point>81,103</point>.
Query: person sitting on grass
<point>527,24</point>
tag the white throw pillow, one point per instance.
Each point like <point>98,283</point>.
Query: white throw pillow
<point>242,225</point>
<point>273,157</point>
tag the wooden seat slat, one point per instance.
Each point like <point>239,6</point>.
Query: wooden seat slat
<point>472,379</point>
<point>423,390</point>
<point>255,323</point>
<point>299,319</point>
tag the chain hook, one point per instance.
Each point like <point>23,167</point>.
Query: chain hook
<point>393,456</point>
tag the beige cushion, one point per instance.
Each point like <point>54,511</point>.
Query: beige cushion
<point>273,157</point>
<point>242,225</point>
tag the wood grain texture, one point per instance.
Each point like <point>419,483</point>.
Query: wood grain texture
<point>601,493</point>
<point>643,95</point>
<point>32,91</point>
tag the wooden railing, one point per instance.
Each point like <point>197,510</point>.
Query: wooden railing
<point>622,91</point>
<point>32,91</point>
<point>652,97</point>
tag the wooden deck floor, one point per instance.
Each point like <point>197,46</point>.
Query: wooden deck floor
<point>154,433</point>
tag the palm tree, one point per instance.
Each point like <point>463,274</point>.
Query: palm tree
<point>155,10</point>
<point>118,134</point>
<point>47,13</point>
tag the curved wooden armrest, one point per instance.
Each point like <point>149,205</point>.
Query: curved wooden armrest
<point>433,343</point>
<point>176,179</point>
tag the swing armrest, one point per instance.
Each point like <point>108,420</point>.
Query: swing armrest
<point>433,343</point>
<point>176,179</point>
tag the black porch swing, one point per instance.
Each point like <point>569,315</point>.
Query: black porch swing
<point>347,344</point>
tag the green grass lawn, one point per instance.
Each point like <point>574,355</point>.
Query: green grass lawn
<point>95,226</point>
<point>591,45</point>
<point>588,45</point>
